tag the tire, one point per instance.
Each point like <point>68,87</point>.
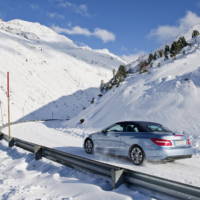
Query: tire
<point>89,146</point>
<point>136,154</point>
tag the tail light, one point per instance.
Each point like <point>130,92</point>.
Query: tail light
<point>188,141</point>
<point>161,142</point>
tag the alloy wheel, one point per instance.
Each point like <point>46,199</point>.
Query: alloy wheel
<point>89,146</point>
<point>137,155</point>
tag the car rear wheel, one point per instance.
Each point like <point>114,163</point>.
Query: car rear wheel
<point>136,155</point>
<point>89,146</point>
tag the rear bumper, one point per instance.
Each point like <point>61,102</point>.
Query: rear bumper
<point>170,154</point>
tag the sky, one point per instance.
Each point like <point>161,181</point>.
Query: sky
<point>125,27</point>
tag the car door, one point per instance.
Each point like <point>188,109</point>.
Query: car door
<point>110,138</point>
<point>128,137</point>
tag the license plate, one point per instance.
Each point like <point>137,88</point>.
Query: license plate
<point>180,142</point>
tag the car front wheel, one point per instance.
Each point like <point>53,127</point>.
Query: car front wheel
<point>89,146</point>
<point>136,155</point>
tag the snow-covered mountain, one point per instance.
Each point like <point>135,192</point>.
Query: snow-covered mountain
<point>45,67</point>
<point>169,93</point>
<point>51,77</point>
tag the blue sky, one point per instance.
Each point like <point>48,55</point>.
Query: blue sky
<point>124,27</point>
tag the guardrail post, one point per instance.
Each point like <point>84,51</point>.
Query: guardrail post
<point>117,177</point>
<point>11,142</point>
<point>38,152</point>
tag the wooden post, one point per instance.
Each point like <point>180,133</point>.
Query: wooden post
<point>8,96</point>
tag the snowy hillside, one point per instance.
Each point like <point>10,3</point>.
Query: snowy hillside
<point>46,67</point>
<point>168,94</point>
<point>51,77</point>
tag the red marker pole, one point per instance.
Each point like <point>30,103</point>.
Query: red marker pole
<point>8,96</point>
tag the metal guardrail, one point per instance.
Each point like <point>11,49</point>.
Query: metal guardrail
<point>116,175</point>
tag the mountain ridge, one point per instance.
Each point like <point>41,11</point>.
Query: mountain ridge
<point>45,66</point>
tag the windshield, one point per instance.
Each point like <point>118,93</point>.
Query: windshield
<point>152,127</point>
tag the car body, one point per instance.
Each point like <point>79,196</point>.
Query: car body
<point>140,140</point>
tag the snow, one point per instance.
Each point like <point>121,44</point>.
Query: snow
<point>52,77</point>
<point>47,180</point>
<point>168,94</point>
<point>45,66</point>
<point>22,177</point>
<point>53,134</point>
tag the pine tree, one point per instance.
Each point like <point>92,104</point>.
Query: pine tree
<point>143,66</point>
<point>167,48</point>
<point>150,58</point>
<point>182,42</point>
<point>122,71</point>
<point>166,55</point>
<point>166,51</point>
<point>195,33</point>
<point>173,49</point>
<point>177,46</point>
<point>155,56</point>
<point>161,52</point>
<point>121,74</point>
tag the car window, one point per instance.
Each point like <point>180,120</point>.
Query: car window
<point>155,128</point>
<point>131,128</point>
<point>115,128</point>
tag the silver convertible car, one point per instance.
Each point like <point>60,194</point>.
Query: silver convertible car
<point>140,140</point>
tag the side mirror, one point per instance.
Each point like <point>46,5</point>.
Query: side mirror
<point>104,131</point>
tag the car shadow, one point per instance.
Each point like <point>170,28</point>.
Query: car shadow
<point>101,156</point>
